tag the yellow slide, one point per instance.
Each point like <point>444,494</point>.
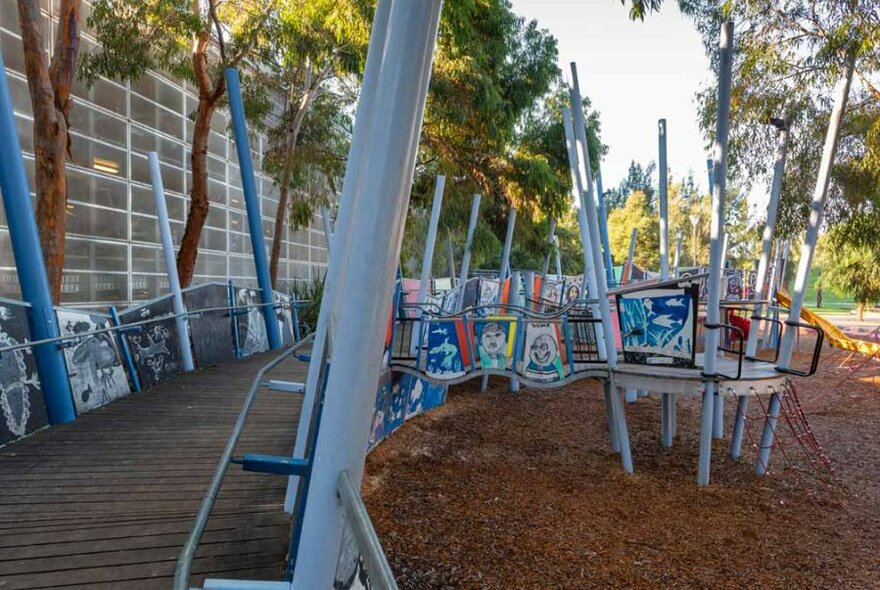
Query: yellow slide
<point>833,334</point>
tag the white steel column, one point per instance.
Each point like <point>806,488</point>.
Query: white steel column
<point>328,230</point>
<point>468,243</point>
<point>716,236</point>
<point>368,271</point>
<point>806,261</point>
<point>180,320</point>
<point>588,202</point>
<point>742,403</point>
<point>508,244</point>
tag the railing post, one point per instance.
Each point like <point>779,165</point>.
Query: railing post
<point>236,338</point>
<point>170,263</point>
<point>30,266</point>
<point>252,204</point>
<point>125,350</point>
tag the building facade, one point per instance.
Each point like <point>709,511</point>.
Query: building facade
<point>113,254</point>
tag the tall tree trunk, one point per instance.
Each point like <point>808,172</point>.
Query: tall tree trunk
<point>297,115</point>
<point>860,311</point>
<point>209,94</point>
<point>50,86</point>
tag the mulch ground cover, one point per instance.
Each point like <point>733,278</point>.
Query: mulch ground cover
<point>502,490</point>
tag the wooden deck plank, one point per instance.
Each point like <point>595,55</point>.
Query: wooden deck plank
<point>108,500</point>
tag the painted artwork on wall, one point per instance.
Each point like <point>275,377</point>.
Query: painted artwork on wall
<point>442,284</point>
<point>572,291</point>
<point>156,348</point>
<point>658,326</point>
<point>252,337</point>
<point>447,356</point>
<point>211,333</point>
<point>396,413</point>
<point>284,317</point>
<point>450,299</point>
<point>94,366</point>
<point>551,291</point>
<point>351,572</point>
<point>380,410</point>
<point>542,353</point>
<point>21,401</point>
<point>488,291</point>
<point>494,337</point>
<point>733,285</point>
<point>471,293</point>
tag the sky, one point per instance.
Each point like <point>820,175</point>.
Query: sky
<point>634,73</point>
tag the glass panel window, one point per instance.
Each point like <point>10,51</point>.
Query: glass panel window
<point>241,267</point>
<point>9,284</point>
<point>90,221</point>
<point>172,177</point>
<point>158,90</point>
<point>143,141</point>
<point>85,254</point>
<point>98,156</point>
<point>213,239</point>
<point>21,96</point>
<point>157,117</point>
<point>145,287</point>
<point>91,122</point>
<point>10,46</point>
<point>213,265</point>
<point>96,190</point>
<point>102,93</point>
<point>216,217</point>
<point>87,287</point>
<point>146,259</point>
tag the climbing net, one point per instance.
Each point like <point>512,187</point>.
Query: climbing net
<point>799,455</point>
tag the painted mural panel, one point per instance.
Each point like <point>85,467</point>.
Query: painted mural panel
<point>543,358</point>
<point>155,347</point>
<point>450,299</point>
<point>488,291</point>
<point>572,289</point>
<point>397,403</point>
<point>471,293</point>
<point>733,285</point>
<point>211,333</point>
<point>494,338</point>
<point>657,326</point>
<point>21,401</point>
<point>447,356</point>
<point>380,410</point>
<point>252,336</point>
<point>351,572</point>
<point>442,284</point>
<point>94,366</point>
<point>284,316</point>
<point>551,291</point>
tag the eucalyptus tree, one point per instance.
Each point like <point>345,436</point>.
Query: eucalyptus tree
<point>50,82</point>
<point>193,40</point>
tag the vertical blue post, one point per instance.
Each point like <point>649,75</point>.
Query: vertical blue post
<point>30,266</point>
<point>252,204</point>
<point>125,351</point>
<point>170,263</point>
<point>603,228</point>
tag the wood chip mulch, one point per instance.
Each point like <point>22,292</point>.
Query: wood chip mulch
<point>513,491</point>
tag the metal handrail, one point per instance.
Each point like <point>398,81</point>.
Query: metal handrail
<point>129,327</point>
<point>187,553</point>
<point>428,309</point>
<point>364,534</point>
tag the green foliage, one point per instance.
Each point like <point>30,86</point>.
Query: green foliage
<point>310,294</point>
<point>638,178</point>
<point>636,214</point>
<point>849,262</point>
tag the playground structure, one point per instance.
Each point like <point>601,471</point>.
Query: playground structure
<point>535,329</point>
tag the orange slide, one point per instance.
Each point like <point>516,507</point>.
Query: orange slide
<point>833,334</point>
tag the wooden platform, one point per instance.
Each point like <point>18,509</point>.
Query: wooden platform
<point>107,501</point>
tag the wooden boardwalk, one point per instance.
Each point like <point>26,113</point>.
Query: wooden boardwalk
<point>108,501</point>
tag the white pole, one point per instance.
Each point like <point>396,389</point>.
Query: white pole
<point>558,258</point>
<point>328,230</point>
<point>376,238</point>
<point>551,233</point>
<point>630,258</point>
<point>349,202</point>
<point>428,256</point>
<point>806,261</point>
<point>450,255</point>
<point>677,259</point>
<point>170,262</point>
<point>468,243</point>
<point>578,178</point>
<point>508,243</point>
<point>664,208</point>
<point>588,202</point>
<point>716,235</point>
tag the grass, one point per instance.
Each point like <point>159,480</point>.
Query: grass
<point>832,303</point>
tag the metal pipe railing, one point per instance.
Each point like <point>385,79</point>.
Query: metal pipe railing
<point>187,553</point>
<point>364,534</point>
<point>134,325</point>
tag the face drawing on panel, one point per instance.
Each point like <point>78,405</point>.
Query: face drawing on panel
<point>493,346</point>
<point>574,292</point>
<point>544,362</point>
<point>543,350</point>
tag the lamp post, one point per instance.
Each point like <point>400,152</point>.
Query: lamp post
<point>695,220</point>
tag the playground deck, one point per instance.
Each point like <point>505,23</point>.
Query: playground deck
<point>107,501</point>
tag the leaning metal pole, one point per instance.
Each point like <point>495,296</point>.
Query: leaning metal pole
<point>376,238</point>
<point>468,244</point>
<point>428,256</point>
<point>716,235</point>
<point>349,202</point>
<point>170,262</point>
<point>30,265</point>
<point>742,403</point>
<point>589,203</point>
<point>806,261</point>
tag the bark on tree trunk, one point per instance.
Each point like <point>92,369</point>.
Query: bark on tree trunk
<point>209,94</point>
<point>297,116</point>
<point>50,86</point>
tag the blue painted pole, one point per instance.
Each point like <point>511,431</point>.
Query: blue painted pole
<point>603,228</point>
<point>170,263</point>
<point>252,204</point>
<point>29,264</point>
<point>125,351</point>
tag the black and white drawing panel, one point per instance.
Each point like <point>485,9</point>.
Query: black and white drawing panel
<point>252,337</point>
<point>155,346</point>
<point>21,402</point>
<point>94,366</point>
<point>211,331</point>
